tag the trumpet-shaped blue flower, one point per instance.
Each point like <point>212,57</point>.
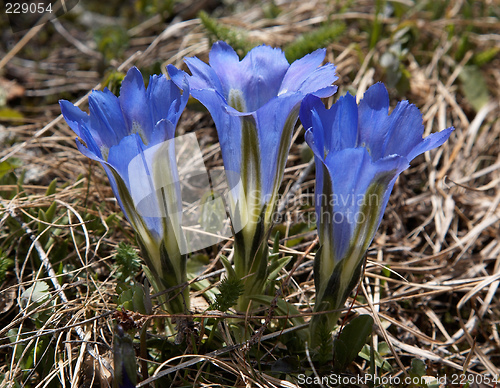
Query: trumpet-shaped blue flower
<point>254,104</point>
<point>130,136</point>
<point>359,153</point>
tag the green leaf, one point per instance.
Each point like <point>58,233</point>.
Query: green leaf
<point>196,264</point>
<point>377,24</point>
<point>52,188</point>
<point>113,81</point>
<point>306,153</point>
<point>131,297</point>
<point>353,337</point>
<point>212,215</point>
<point>20,181</point>
<point>276,266</point>
<point>287,364</point>
<point>14,335</point>
<point>228,267</point>
<point>37,293</point>
<point>271,10</point>
<point>340,356</point>
<point>41,225</point>
<point>418,368</point>
<point>138,299</point>
<point>307,43</point>
<point>297,230</point>
<point>50,213</point>
<point>111,40</point>
<point>434,383</point>
<point>276,243</point>
<point>8,166</point>
<point>474,87</point>
<point>111,219</point>
<point>33,297</point>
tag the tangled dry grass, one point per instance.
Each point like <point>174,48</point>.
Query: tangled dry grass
<point>433,270</point>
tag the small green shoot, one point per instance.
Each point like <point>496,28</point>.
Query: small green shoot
<point>314,40</point>
<point>230,290</point>
<point>217,31</point>
<point>127,262</point>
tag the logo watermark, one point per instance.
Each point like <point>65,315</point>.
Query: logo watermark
<point>336,380</point>
<point>25,14</point>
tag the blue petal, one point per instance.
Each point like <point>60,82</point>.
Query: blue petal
<point>309,103</point>
<point>400,133</point>
<point>333,129</point>
<point>179,104</point>
<point>177,76</point>
<point>258,76</point>
<point>403,129</point>
<point>352,172</point>
<point>325,92</point>
<point>92,149</point>
<point>224,62</point>
<point>181,79</point>
<point>110,172</point>
<point>164,131</point>
<point>319,164</point>
<point>79,122</point>
<point>316,142</point>
<point>373,110</point>
<point>122,154</point>
<point>164,98</point>
<point>319,82</point>
<point>271,120</point>
<point>343,124</point>
<point>228,129</point>
<point>432,141</point>
<point>203,76</point>
<point>106,118</point>
<point>301,70</point>
<point>321,131</point>
<point>134,103</point>
<point>120,158</point>
<point>121,129</point>
<point>74,116</point>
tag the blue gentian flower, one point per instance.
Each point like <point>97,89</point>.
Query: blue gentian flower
<point>130,136</point>
<point>359,153</point>
<point>254,104</point>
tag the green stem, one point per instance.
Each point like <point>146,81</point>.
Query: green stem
<point>250,264</point>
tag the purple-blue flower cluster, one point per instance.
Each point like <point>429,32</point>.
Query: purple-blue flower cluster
<point>255,104</point>
<point>131,136</point>
<point>359,152</point>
